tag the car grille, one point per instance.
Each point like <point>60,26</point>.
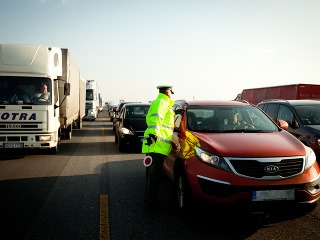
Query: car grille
<point>272,169</point>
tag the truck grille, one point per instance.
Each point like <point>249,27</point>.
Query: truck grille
<point>283,168</point>
<point>20,126</point>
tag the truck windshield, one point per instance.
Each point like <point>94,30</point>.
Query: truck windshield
<point>89,94</point>
<point>25,90</point>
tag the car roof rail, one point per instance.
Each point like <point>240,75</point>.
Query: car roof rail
<point>241,100</point>
<point>181,101</point>
<point>272,100</point>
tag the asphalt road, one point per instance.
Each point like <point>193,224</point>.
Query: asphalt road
<point>89,190</point>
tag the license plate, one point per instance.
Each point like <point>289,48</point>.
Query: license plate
<point>273,195</point>
<point>13,145</point>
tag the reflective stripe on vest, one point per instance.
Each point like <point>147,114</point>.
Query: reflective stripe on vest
<point>154,127</point>
<point>157,115</point>
<point>159,139</point>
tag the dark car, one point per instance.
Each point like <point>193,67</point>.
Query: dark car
<point>112,110</point>
<point>130,126</point>
<point>233,153</point>
<point>302,116</point>
<point>116,113</point>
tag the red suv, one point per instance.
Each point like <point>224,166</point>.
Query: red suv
<point>233,152</point>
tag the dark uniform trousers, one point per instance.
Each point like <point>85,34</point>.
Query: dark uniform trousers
<point>153,174</point>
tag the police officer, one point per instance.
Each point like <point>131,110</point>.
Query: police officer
<point>158,141</point>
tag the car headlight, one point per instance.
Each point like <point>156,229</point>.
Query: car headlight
<point>211,159</point>
<point>310,158</point>
<point>126,131</point>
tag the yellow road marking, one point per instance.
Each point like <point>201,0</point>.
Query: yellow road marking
<point>102,133</point>
<point>104,218</point>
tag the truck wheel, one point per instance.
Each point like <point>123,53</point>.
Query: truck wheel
<point>79,123</point>
<point>68,132</point>
<point>55,149</point>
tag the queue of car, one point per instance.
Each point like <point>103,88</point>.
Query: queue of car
<point>254,161</point>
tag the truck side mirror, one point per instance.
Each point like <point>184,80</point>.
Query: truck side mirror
<point>66,89</point>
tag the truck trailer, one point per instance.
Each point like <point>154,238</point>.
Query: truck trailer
<point>92,100</point>
<point>38,122</point>
<point>285,92</point>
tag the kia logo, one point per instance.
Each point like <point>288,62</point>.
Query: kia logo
<point>271,169</point>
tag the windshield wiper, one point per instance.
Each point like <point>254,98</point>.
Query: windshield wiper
<point>246,130</point>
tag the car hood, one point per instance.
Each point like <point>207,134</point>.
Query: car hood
<point>273,144</point>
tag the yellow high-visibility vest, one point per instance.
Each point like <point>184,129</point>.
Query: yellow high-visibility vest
<point>160,121</point>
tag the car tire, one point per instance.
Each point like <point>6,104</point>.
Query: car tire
<point>306,208</point>
<point>182,192</point>
<point>116,138</point>
<point>121,147</point>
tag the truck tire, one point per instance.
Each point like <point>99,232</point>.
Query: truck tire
<point>79,123</point>
<point>55,149</point>
<point>68,132</point>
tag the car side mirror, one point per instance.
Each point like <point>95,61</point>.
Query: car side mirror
<point>283,124</point>
<point>177,122</point>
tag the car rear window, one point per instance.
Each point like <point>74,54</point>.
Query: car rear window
<point>137,111</point>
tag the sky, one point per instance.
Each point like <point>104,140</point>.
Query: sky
<point>205,49</point>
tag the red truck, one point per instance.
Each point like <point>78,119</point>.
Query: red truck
<point>287,92</point>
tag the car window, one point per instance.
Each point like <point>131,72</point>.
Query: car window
<point>286,114</point>
<point>262,106</point>
<point>309,114</point>
<point>272,111</point>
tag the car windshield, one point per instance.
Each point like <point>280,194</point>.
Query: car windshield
<point>228,119</point>
<point>309,114</point>
<point>25,91</point>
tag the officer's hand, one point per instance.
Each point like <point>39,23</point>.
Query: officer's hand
<point>153,137</point>
<point>149,141</point>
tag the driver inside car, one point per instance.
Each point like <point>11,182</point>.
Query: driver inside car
<point>231,120</point>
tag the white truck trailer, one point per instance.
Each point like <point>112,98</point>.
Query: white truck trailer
<point>92,100</point>
<point>39,122</point>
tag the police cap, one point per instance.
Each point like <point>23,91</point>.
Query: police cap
<point>165,87</point>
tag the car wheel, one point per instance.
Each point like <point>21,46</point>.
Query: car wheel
<point>182,192</point>
<point>116,138</point>
<point>306,208</point>
<point>121,147</point>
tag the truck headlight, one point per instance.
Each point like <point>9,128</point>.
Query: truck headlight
<point>310,158</point>
<point>211,159</point>
<point>44,138</point>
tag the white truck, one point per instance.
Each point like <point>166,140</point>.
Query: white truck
<point>39,122</point>
<point>92,100</point>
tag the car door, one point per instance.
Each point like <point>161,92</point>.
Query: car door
<point>169,161</point>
